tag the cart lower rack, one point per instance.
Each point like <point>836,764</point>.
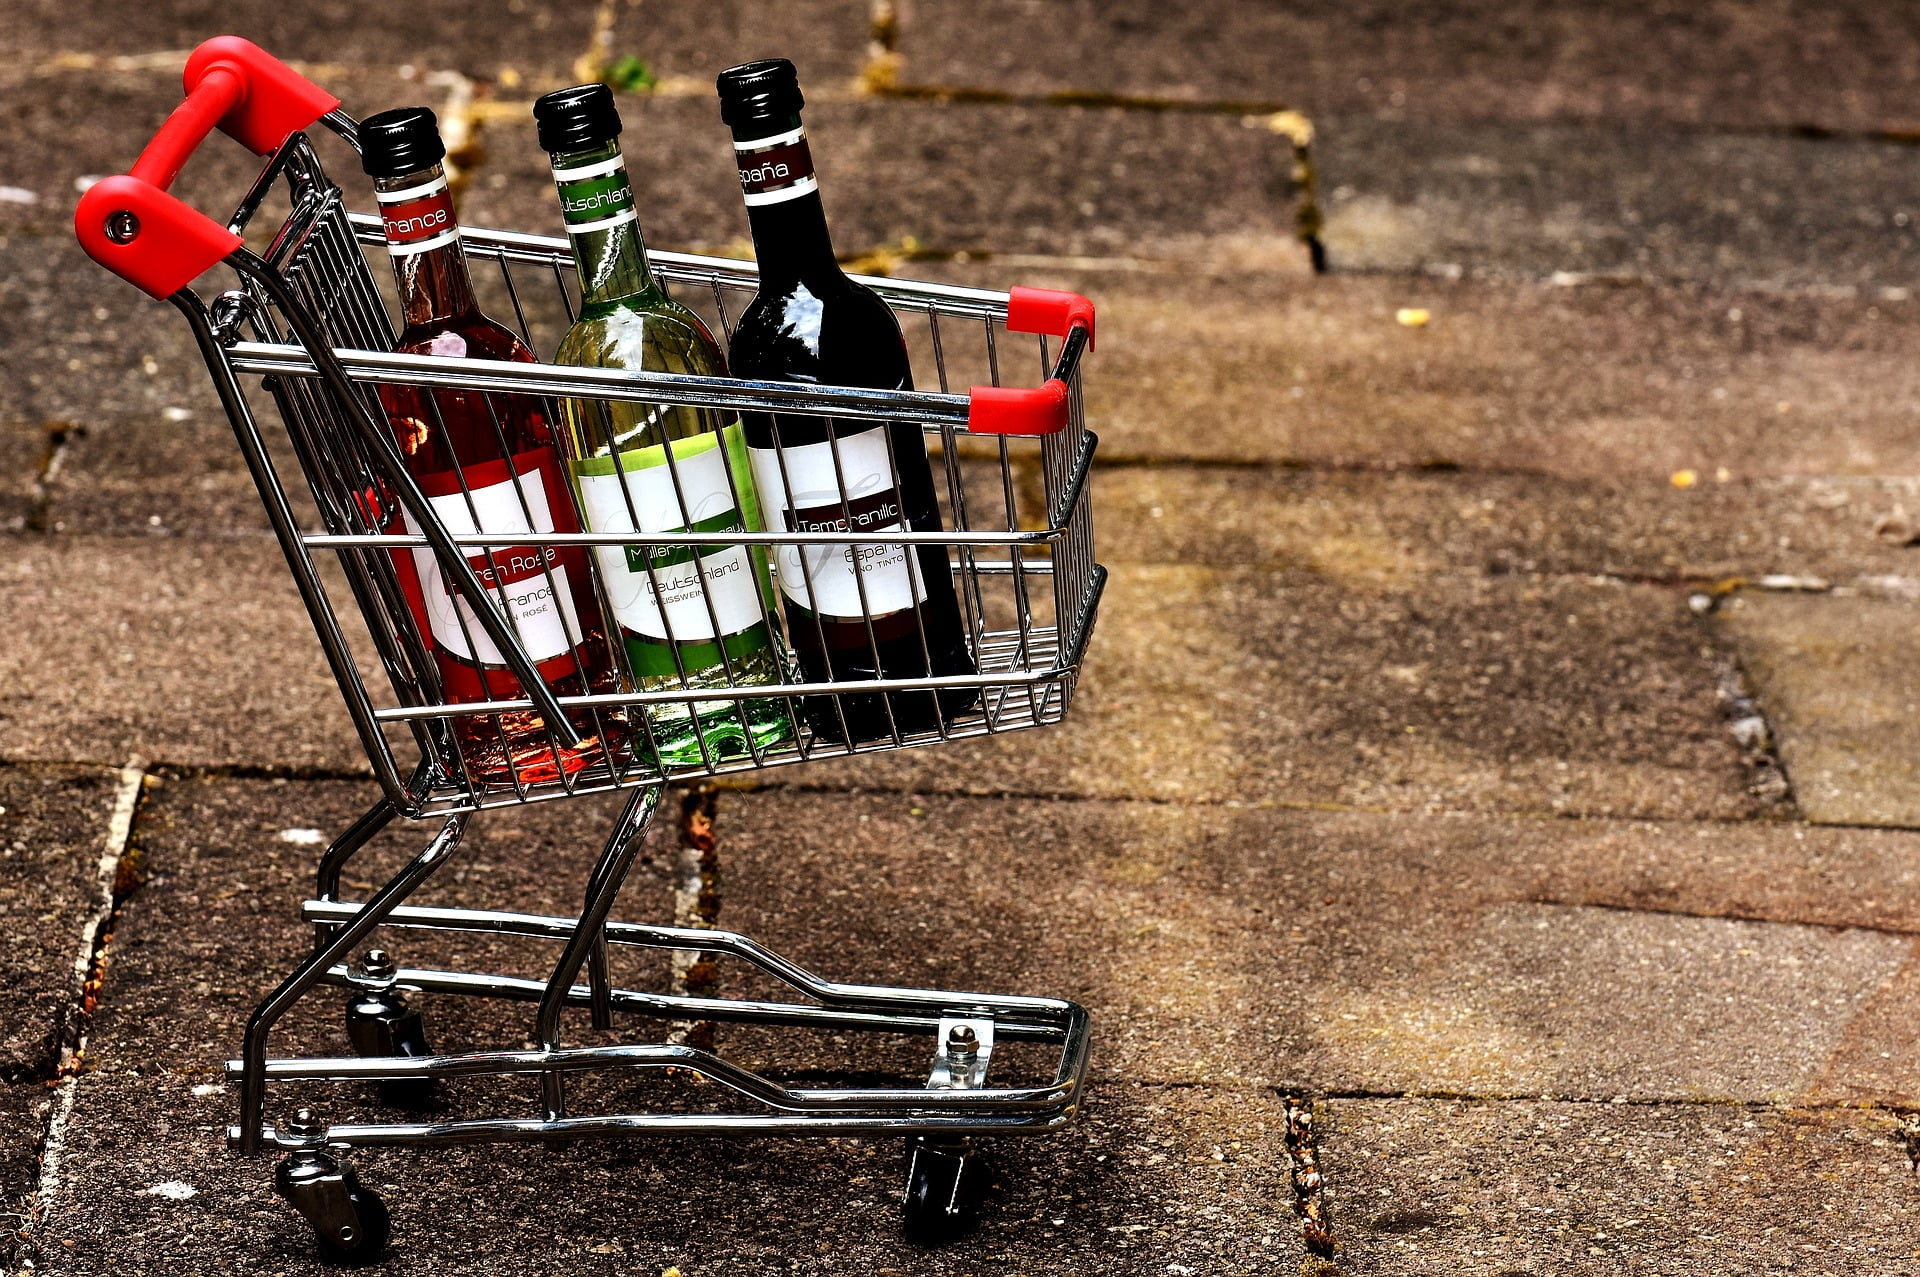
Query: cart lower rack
<point>1015,535</point>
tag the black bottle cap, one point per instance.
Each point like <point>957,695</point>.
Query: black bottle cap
<point>396,143</point>
<point>768,89</point>
<point>577,119</point>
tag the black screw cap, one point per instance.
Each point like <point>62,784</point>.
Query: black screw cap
<point>576,119</point>
<point>396,143</point>
<point>767,89</point>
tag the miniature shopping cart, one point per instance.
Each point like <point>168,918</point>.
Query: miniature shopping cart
<point>306,317</point>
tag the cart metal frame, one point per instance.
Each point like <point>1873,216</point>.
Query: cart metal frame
<point>307,318</point>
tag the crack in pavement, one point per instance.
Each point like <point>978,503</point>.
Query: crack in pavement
<point>1308,1183</point>
<point>115,879</point>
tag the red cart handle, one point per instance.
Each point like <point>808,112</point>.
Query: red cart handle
<point>1042,410</point>
<point>131,226</point>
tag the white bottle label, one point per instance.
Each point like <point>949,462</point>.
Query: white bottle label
<point>801,491</point>
<point>530,580</point>
<point>639,579</point>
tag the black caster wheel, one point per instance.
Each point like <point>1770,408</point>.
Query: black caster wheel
<point>380,1024</point>
<point>945,1182</point>
<point>351,1226</point>
<point>374,1228</point>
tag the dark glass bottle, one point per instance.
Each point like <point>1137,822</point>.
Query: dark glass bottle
<point>487,463</point>
<point>853,612</point>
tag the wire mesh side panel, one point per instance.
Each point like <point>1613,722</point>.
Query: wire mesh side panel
<point>1005,533</point>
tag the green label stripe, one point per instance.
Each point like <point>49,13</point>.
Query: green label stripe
<point>640,557</point>
<point>734,437</point>
<point>654,659</point>
<point>656,454</point>
<point>592,198</point>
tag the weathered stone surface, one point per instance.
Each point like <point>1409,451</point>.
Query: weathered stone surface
<point>1756,209</point>
<point>1345,953</point>
<point>1480,693</point>
<point>1310,952</point>
<point>53,825</point>
<point>1324,952</point>
<point>187,652</point>
<point>826,40</point>
<point>1505,376</point>
<point>1834,675</point>
<point>1441,1186</point>
<point>23,1115</point>
<point>1149,1177</point>
<point>1541,999</point>
<point>1342,525</point>
<point>1084,181</point>
<point>75,123</point>
<point>475,40</point>
<point>1601,702</point>
<point>1751,65</point>
<point>238,856</point>
<point>151,477</point>
<point>78,346</point>
<point>22,448</point>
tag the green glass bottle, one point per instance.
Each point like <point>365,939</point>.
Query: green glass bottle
<point>690,617</point>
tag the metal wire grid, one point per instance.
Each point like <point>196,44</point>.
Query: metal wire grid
<point>1027,635</point>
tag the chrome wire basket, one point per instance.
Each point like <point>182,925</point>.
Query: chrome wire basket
<point>306,317</point>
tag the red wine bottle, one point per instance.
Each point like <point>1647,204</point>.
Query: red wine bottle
<point>861,611</point>
<point>487,463</point>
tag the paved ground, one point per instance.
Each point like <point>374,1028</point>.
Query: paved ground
<point>1496,750</point>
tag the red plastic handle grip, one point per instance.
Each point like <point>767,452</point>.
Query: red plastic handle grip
<point>1042,410</point>
<point>133,227</point>
<point>1048,310</point>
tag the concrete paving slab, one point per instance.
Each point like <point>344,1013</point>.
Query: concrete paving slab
<point>1338,525</point>
<point>1429,1186</point>
<point>1314,951</point>
<point>1601,703</point>
<point>475,40</point>
<point>1468,693</point>
<point>22,449</point>
<point>1504,376</point>
<point>53,823</point>
<point>1590,381</point>
<point>238,858</point>
<point>1833,675</point>
<point>1742,64</point>
<point>70,126</point>
<point>1333,953</point>
<point>1546,1000</point>
<point>1149,1177</point>
<point>75,123</point>
<point>194,653</point>
<point>152,477</point>
<point>826,40</point>
<point>1780,872</point>
<point>949,176</point>
<point>78,346</point>
<point>23,1120</point>
<point>1755,209</point>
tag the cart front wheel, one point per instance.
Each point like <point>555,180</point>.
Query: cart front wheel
<point>944,1182</point>
<point>372,1229</point>
<point>350,1223</point>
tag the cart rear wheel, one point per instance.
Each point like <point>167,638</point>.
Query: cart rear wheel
<point>381,1023</point>
<point>944,1187</point>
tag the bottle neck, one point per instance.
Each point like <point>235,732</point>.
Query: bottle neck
<point>597,205</point>
<point>423,242</point>
<point>790,239</point>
